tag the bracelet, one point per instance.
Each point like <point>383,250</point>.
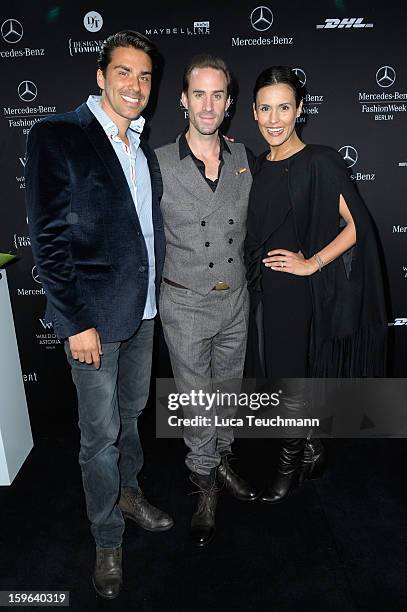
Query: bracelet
<point>321,263</point>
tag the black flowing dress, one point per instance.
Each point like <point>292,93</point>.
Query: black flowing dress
<point>280,301</point>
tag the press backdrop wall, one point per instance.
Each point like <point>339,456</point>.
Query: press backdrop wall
<point>350,55</point>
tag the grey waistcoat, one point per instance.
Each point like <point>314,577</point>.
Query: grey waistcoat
<point>204,230</point>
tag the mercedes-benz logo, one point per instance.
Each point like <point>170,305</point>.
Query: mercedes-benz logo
<point>35,275</point>
<point>301,75</point>
<point>385,76</point>
<point>349,155</point>
<point>12,31</point>
<point>261,18</point>
<point>27,91</point>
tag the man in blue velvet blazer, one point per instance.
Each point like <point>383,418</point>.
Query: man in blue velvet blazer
<point>93,191</point>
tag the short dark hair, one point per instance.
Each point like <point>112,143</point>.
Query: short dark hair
<point>125,38</point>
<point>206,60</point>
<point>279,74</point>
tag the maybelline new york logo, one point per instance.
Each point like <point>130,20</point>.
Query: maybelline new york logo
<point>384,104</point>
<point>350,156</point>
<point>261,19</point>
<point>25,116</point>
<point>12,32</point>
<point>197,28</point>
<point>346,23</point>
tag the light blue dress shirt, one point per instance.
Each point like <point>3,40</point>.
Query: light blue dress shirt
<point>135,167</point>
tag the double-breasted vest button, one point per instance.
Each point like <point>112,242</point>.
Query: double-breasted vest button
<point>207,244</point>
<point>141,268</point>
<point>231,222</point>
<point>230,259</point>
<point>211,264</point>
<point>230,240</point>
<point>203,223</point>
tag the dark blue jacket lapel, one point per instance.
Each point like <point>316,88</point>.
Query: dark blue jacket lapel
<point>105,151</point>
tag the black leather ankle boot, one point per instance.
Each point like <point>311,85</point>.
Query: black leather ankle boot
<point>203,519</point>
<point>234,483</point>
<point>107,575</point>
<point>288,471</point>
<point>313,460</point>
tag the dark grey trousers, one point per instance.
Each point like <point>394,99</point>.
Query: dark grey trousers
<point>206,338</point>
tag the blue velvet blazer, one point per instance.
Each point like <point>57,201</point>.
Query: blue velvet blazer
<point>85,234</point>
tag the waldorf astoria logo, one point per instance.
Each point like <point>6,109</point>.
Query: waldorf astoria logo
<point>262,20</point>
<point>45,335</point>
<point>387,102</point>
<point>12,32</point>
<point>20,178</point>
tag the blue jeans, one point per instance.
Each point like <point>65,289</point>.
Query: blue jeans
<point>110,401</point>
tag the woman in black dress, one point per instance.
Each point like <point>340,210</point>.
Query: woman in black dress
<point>317,306</point>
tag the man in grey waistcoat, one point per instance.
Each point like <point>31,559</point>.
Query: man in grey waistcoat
<point>203,298</point>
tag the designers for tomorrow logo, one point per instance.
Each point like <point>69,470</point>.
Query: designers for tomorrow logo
<point>349,155</point>
<point>93,21</point>
<point>12,31</point>
<point>27,91</point>
<point>261,18</point>
<point>385,76</point>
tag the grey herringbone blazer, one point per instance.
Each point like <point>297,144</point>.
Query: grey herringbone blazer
<point>204,230</point>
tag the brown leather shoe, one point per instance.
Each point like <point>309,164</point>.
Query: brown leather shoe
<point>107,575</point>
<point>134,506</point>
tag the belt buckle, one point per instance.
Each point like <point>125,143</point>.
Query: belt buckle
<point>221,286</point>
